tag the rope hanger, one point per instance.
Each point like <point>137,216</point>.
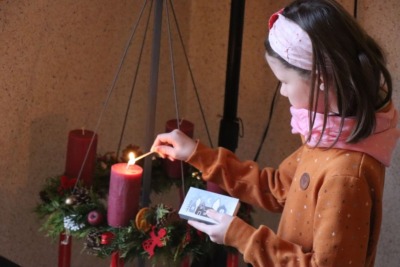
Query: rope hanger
<point>168,6</point>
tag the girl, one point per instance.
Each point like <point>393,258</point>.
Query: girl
<point>330,190</point>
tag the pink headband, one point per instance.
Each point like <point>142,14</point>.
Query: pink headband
<point>290,41</point>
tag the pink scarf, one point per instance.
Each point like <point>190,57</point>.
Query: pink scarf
<point>379,145</point>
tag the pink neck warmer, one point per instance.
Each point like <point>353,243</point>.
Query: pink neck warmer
<point>379,145</point>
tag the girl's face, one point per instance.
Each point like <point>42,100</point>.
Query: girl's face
<point>295,87</point>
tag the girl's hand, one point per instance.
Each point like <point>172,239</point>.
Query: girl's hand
<point>174,145</point>
<point>216,232</point>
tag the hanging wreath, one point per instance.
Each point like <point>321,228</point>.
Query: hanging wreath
<point>157,232</point>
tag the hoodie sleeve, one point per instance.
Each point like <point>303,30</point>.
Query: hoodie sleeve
<point>265,188</point>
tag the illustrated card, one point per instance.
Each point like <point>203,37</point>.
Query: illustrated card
<point>198,201</point>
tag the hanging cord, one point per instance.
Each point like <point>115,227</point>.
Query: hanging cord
<point>271,110</point>
<point>355,9</point>
<point>178,120</point>
<point>134,81</point>
<point>107,100</point>
<point>171,56</point>
<point>191,74</point>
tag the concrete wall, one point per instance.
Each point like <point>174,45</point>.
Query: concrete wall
<point>58,60</point>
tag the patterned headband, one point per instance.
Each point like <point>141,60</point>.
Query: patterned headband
<point>290,41</point>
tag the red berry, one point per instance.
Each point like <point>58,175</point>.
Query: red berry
<point>95,217</point>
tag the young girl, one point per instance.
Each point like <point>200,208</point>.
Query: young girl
<point>330,190</point>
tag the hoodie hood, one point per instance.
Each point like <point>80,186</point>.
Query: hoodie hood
<point>379,145</point>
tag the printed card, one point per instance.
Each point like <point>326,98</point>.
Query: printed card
<point>198,201</point>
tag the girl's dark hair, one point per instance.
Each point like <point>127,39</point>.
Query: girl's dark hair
<point>347,59</point>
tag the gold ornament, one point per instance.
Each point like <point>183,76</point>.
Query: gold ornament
<point>70,200</point>
<point>196,175</point>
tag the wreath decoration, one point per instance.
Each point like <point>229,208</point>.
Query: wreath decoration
<point>157,232</point>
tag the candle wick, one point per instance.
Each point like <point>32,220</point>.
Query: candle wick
<point>130,163</point>
<point>180,122</point>
<point>83,130</point>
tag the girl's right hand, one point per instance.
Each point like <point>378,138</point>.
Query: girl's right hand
<point>174,145</point>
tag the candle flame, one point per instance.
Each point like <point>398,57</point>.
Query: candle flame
<point>132,159</point>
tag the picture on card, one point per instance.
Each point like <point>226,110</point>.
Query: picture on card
<point>198,201</point>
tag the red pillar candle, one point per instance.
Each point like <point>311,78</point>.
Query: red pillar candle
<point>64,250</point>
<point>185,262</point>
<point>116,261</point>
<point>232,259</point>
<point>173,168</point>
<point>80,144</point>
<point>124,193</point>
<point>212,187</point>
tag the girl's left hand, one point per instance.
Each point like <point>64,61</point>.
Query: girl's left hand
<point>216,232</point>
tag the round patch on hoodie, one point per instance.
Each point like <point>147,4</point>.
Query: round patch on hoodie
<point>304,181</point>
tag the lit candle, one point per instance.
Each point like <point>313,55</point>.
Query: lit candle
<point>80,145</point>
<point>124,192</point>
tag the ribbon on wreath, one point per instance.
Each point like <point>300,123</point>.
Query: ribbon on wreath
<point>66,184</point>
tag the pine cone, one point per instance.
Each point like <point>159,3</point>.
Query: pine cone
<point>169,216</point>
<point>93,240</point>
<point>82,196</point>
<point>44,196</point>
